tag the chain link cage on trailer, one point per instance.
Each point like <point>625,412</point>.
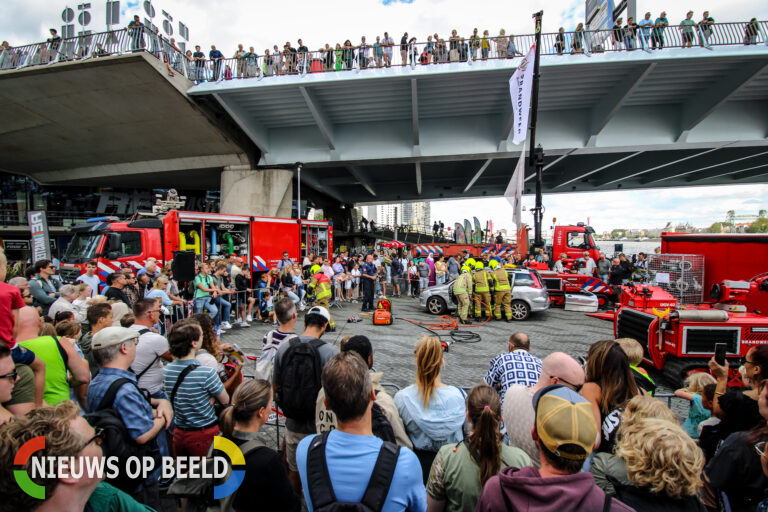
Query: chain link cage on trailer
<point>682,275</point>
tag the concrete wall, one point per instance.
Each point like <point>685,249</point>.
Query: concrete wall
<point>267,193</point>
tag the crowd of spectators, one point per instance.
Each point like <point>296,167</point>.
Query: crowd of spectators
<point>534,434</point>
<point>201,65</point>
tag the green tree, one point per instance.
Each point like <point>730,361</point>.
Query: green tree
<point>759,226</point>
<point>618,233</point>
<point>717,227</point>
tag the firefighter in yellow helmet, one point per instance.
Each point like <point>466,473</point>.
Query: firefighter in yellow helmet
<point>321,285</point>
<point>463,289</point>
<point>482,289</point>
<point>502,291</point>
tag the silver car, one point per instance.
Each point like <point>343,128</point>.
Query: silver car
<point>528,295</point>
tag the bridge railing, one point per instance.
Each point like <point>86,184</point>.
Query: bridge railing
<point>100,44</point>
<point>359,58</point>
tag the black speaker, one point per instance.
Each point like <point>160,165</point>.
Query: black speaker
<point>183,266</point>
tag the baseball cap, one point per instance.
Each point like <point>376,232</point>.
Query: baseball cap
<point>563,417</point>
<point>110,336</point>
<point>319,310</point>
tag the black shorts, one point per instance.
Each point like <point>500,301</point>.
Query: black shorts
<point>687,37</point>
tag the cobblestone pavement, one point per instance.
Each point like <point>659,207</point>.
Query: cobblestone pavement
<point>465,363</point>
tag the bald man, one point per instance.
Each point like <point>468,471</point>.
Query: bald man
<point>58,355</point>
<point>517,409</point>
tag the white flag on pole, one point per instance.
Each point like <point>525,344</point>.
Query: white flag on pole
<point>520,90</point>
<point>514,192</point>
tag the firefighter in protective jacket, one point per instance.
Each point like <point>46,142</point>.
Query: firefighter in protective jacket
<point>463,290</point>
<point>502,292</point>
<point>321,285</point>
<point>481,279</point>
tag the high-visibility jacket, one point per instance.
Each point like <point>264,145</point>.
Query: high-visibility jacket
<point>322,286</point>
<point>500,279</point>
<point>463,283</point>
<point>480,277</point>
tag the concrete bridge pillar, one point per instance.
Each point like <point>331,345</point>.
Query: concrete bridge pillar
<point>263,193</point>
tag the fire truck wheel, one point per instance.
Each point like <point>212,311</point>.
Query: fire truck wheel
<point>520,310</point>
<point>436,305</point>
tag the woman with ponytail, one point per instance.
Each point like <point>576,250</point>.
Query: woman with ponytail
<point>433,413</point>
<point>460,470</point>
<point>265,485</point>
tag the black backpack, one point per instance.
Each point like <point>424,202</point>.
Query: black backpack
<point>321,489</point>
<point>299,379</point>
<point>117,441</point>
<point>380,425</point>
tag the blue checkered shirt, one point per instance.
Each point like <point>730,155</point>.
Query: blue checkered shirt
<point>517,367</point>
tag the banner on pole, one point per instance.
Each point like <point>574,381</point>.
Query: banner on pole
<point>514,192</point>
<point>520,91</point>
<point>38,226</point>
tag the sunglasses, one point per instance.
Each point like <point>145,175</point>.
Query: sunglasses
<point>10,376</point>
<point>98,438</point>
<point>574,387</point>
<point>760,448</point>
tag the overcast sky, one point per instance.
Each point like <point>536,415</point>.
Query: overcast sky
<point>264,24</point>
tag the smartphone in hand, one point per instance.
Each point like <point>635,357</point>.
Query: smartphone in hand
<point>720,349</point>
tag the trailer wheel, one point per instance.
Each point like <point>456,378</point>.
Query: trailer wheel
<point>520,310</point>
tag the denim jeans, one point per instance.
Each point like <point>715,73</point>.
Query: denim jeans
<point>205,303</point>
<point>440,279</point>
<point>423,283</point>
<point>224,308</point>
<point>295,298</point>
<point>604,277</point>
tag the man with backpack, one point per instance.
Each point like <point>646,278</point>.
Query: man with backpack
<point>298,364</point>
<point>115,389</point>
<point>385,420</point>
<point>350,462</point>
<point>150,353</point>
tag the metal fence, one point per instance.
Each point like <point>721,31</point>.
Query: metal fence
<point>682,275</point>
<point>378,54</point>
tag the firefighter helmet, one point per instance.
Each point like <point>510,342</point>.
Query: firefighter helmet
<point>493,263</point>
<point>479,265</point>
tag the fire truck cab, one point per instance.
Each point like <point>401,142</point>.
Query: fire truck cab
<point>573,241</point>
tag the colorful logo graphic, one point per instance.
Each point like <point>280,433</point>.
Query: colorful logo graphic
<point>22,477</point>
<point>237,459</point>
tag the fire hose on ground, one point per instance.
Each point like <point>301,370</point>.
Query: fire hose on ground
<point>449,323</point>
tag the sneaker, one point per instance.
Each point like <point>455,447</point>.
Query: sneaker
<point>226,325</point>
<point>249,318</point>
<point>243,323</point>
<point>218,332</point>
<point>302,307</point>
<point>275,324</point>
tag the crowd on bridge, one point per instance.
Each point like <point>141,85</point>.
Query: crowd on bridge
<point>146,355</point>
<point>384,51</point>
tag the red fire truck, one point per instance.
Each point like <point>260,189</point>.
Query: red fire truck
<point>258,240</point>
<point>681,339</point>
<point>571,240</point>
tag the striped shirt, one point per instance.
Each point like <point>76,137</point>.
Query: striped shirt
<point>192,407</point>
